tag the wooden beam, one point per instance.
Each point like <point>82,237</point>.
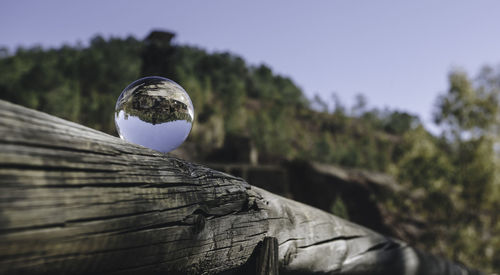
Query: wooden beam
<point>77,201</point>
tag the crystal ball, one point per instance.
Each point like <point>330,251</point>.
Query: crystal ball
<point>154,112</point>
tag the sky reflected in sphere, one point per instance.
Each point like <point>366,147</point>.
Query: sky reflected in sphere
<point>154,112</point>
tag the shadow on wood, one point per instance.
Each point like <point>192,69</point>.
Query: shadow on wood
<point>263,261</point>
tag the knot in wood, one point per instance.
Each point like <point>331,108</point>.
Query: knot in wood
<point>197,221</point>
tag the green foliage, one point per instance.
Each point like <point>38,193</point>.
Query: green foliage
<point>464,109</point>
<point>79,84</point>
<point>339,208</point>
<point>457,172</point>
<point>423,162</point>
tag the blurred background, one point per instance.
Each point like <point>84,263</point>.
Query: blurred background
<point>382,112</point>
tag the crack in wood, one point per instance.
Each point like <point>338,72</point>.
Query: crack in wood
<point>340,238</point>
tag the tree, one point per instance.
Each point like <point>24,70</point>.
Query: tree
<point>468,113</point>
<point>465,111</point>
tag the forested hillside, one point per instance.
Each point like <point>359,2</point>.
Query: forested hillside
<point>452,180</point>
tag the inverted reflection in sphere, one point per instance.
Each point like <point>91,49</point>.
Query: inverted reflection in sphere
<point>154,112</point>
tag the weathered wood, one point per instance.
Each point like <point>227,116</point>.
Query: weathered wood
<point>75,200</point>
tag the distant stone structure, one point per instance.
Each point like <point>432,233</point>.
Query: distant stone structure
<point>236,149</point>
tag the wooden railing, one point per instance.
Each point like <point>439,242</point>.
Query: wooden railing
<point>77,201</point>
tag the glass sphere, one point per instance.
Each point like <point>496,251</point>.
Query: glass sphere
<point>154,112</point>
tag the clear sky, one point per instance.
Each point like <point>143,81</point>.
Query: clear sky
<point>397,53</point>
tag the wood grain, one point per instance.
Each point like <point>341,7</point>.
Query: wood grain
<point>77,201</point>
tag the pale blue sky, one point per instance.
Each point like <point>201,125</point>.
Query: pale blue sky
<point>397,53</point>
